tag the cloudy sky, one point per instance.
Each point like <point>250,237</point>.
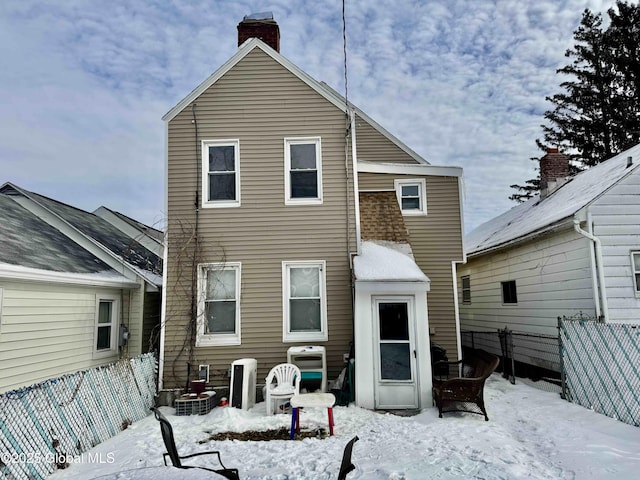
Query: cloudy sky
<point>84,84</point>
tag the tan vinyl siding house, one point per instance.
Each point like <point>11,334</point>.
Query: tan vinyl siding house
<point>255,112</point>
<point>436,242</point>
<point>260,103</point>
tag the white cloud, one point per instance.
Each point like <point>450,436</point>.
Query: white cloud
<point>84,84</point>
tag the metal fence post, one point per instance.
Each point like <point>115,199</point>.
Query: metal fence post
<point>563,382</point>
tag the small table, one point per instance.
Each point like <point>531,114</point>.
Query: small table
<point>322,400</point>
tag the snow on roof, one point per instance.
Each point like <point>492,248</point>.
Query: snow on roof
<point>389,261</point>
<point>538,214</point>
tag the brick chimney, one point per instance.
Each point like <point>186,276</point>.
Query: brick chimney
<point>554,171</point>
<point>262,26</point>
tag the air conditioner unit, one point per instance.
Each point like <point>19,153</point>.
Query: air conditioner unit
<point>243,383</point>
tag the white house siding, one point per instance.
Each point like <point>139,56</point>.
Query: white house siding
<point>553,278</point>
<point>616,222</point>
<point>47,330</point>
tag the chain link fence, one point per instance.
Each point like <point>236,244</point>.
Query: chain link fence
<point>49,425</point>
<point>601,367</point>
<point>533,358</point>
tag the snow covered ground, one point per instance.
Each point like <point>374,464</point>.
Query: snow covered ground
<point>531,434</point>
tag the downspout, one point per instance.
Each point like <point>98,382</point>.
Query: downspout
<point>163,305</point>
<point>600,297</point>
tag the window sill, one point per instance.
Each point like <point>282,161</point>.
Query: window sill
<point>100,354</point>
<point>303,201</point>
<point>217,340</point>
<point>220,204</point>
<point>413,213</point>
<point>305,337</point>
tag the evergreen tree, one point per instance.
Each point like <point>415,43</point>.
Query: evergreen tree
<point>597,115</point>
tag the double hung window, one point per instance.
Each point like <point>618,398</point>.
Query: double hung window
<point>106,326</point>
<point>412,196</point>
<point>220,173</point>
<point>635,265</point>
<point>303,171</point>
<point>466,289</point>
<point>304,302</point>
<point>219,304</point>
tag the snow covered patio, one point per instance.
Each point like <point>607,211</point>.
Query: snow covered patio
<point>531,434</point>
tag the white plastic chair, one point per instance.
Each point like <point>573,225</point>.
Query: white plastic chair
<point>287,384</point>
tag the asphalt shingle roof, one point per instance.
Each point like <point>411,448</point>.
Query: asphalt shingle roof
<point>30,242</point>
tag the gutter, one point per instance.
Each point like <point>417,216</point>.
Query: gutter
<point>600,297</point>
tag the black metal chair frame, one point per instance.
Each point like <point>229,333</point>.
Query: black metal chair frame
<point>346,466</point>
<point>172,452</point>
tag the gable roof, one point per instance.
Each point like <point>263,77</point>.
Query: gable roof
<point>32,248</point>
<point>154,233</point>
<point>321,88</point>
<point>112,241</point>
<point>537,215</point>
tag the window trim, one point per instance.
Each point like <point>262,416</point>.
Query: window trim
<point>421,183</point>
<point>634,272</point>
<point>287,335</point>
<point>515,292</point>
<point>115,325</point>
<point>212,339</point>
<point>466,300</point>
<point>235,143</point>
<point>288,141</point>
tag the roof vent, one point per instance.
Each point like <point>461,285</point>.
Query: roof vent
<point>629,162</point>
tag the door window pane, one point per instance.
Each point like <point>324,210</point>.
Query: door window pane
<point>394,322</point>
<point>395,361</point>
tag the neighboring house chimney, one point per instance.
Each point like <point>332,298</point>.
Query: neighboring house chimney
<point>262,26</point>
<point>554,171</point>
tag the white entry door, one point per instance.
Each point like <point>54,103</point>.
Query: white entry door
<point>396,379</point>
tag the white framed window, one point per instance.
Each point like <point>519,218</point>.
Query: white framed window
<point>220,173</point>
<point>218,304</point>
<point>412,195</point>
<point>466,289</point>
<point>635,265</point>
<point>106,326</point>
<point>303,171</point>
<point>304,302</point>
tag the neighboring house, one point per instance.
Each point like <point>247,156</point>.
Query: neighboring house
<point>312,225</point>
<point>574,248</point>
<point>71,284</point>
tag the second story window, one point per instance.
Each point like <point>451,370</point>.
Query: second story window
<point>412,196</point>
<point>220,173</point>
<point>303,171</point>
